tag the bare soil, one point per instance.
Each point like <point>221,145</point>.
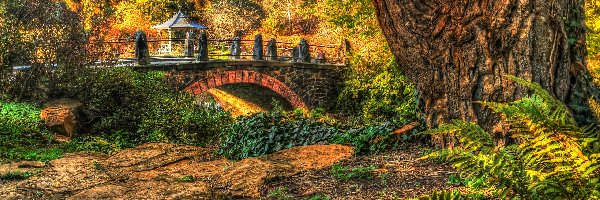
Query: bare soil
<point>168,171</point>
<point>399,175</point>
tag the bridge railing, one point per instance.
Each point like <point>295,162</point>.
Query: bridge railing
<point>188,49</point>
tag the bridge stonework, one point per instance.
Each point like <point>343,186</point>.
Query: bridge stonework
<point>304,85</point>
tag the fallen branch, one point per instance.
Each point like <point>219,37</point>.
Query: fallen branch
<point>398,132</point>
<point>406,128</point>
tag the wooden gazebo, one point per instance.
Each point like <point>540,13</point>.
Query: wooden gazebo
<point>179,21</point>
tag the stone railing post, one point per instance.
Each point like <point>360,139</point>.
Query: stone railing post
<point>304,51</point>
<point>235,49</point>
<point>272,49</point>
<point>257,51</point>
<point>295,54</point>
<point>189,45</point>
<point>202,47</point>
<point>320,58</point>
<point>345,51</point>
<point>142,55</point>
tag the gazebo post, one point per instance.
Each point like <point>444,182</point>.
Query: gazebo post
<point>189,45</point>
<point>170,42</point>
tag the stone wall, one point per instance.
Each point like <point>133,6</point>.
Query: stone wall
<point>304,85</point>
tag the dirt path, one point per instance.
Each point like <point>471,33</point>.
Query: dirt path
<point>167,171</point>
<point>398,176</point>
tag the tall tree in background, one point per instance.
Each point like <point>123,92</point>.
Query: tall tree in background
<point>230,18</point>
<point>458,52</point>
<point>592,10</point>
<point>44,35</point>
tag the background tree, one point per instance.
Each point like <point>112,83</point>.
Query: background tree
<point>376,90</point>
<point>229,18</point>
<point>592,11</point>
<point>458,52</point>
<point>45,36</point>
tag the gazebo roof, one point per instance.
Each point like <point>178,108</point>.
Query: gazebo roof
<point>179,21</point>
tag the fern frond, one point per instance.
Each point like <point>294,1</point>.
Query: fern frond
<point>471,135</point>
<point>541,92</point>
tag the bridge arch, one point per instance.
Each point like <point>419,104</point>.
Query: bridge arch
<point>246,76</point>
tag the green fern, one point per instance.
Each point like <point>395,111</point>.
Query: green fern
<point>452,195</point>
<point>554,157</point>
<point>470,134</point>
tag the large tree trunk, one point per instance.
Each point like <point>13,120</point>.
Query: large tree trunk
<point>458,51</point>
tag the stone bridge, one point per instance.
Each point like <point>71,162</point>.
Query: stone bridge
<point>304,85</point>
<point>304,82</point>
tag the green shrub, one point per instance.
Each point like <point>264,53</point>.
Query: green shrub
<point>265,133</point>
<point>182,119</point>
<point>554,158</point>
<point>105,143</point>
<point>144,106</point>
<point>347,173</point>
<point>118,96</point>
<point>368,140</point>
<point>379,96</point>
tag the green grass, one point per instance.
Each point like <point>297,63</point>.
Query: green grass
<point>186,179</point>
<point>43,154</point>
<point>98,166</point>
<point>23,135</point>
<point>280,193</point>
<point>17,175</point>
<point>319,197</point>
<point>348,173</point>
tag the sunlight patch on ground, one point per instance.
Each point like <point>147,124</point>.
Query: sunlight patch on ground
<point>235,105</point>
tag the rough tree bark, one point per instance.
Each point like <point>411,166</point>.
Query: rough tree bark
<point>458,51</point>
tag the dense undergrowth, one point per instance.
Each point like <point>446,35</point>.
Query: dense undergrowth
<point>123,109</point>
<point>126,108</point>
<point>144,107</point>
<point>265,133</point>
